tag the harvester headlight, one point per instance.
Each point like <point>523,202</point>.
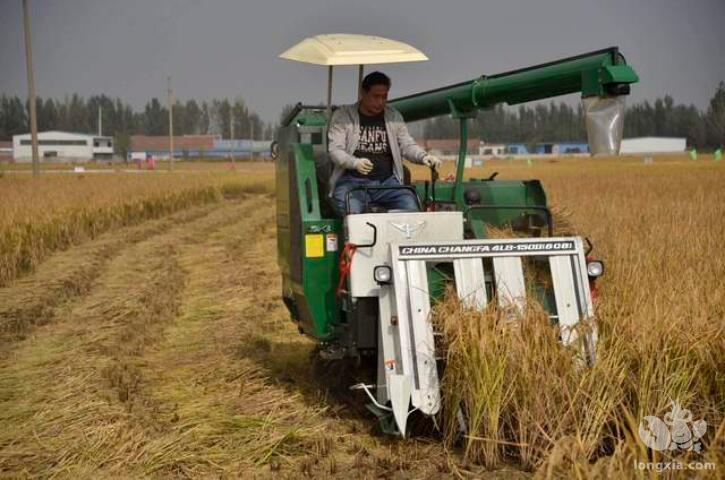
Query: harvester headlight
<point>382,274</point>
<point>595,268</point>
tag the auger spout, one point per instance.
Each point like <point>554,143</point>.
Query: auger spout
<point>601,73</point>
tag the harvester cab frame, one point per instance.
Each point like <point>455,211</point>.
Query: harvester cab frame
<point>364,285</point>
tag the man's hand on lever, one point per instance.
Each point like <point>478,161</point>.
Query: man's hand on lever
<point>432,162</point>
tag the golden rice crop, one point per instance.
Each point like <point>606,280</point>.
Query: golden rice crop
<point>660,317</point>
<point>39,216</point>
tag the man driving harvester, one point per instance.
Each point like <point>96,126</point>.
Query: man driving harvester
<point>367,142</point>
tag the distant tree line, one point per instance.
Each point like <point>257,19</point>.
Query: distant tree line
<point>561,122</point>
<point>77,114</point>
<point>525,124</point>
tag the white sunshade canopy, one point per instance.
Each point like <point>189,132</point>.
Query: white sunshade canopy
<point>350,49</point>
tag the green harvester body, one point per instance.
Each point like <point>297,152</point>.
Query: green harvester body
<point>310,238</point>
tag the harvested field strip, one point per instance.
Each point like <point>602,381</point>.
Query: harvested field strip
<point>70,394</point>
<point>67,211</point>
<point>33,299</point>
<point>240,419</point>
<point>235,371</point>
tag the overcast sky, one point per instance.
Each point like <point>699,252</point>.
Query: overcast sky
<point>229,48</point>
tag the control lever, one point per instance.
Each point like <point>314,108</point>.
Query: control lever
<point>433,178</point>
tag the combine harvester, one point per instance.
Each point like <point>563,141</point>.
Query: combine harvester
<point>364,285</point>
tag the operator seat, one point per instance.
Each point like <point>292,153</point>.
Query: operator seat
<point>323,171</point>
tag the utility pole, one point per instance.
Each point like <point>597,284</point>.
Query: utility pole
<point>231,134</point>
<point>100,121</point>
<point>251,140</point>
<point>31,90</point>
<point>171,124</point>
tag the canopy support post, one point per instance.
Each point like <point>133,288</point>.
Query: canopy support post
<point>329,92</point>
<point>360,70</point>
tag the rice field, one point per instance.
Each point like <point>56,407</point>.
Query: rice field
<point>661,320</point>
<point>142,335</point>
<point>39,216</point>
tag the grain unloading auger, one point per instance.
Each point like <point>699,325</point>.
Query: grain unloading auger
<point>364,285</point>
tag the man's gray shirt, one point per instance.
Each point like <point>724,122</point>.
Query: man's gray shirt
<point>344,135</point>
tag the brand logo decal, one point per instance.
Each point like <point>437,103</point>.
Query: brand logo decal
<point>408,229</point>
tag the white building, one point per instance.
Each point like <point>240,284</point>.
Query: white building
<point>63,146</point>
<point>6,151</point>
<point>492,149</point>
<point>652,145</point>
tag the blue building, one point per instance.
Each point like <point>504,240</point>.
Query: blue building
<point>516,149</point>
<point>547,148</point>
<point>196,146</point>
